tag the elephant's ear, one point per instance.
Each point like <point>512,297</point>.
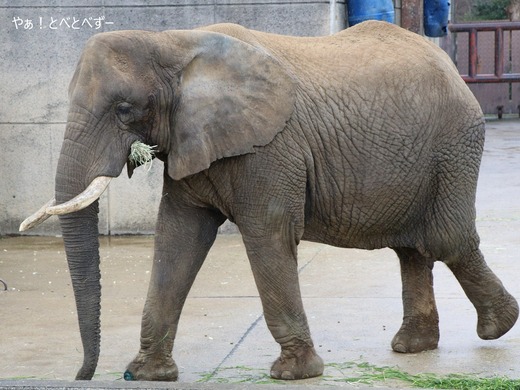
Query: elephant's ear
<point>233,97</point>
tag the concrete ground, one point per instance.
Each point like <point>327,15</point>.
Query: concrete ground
<point>352,298</point>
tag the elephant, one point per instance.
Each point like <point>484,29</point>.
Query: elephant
<point>368,138</point>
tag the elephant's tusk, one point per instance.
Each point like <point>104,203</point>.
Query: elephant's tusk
<point>38,217</point>
<point>87,197</point>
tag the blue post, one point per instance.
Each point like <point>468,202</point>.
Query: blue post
<point>436,16</point>
<point>361,10</point>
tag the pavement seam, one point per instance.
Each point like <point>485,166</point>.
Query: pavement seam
<point>235,347</point>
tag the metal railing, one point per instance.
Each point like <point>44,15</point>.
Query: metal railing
<point>473,59</point>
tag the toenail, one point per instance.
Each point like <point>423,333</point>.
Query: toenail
<point>287,375</point>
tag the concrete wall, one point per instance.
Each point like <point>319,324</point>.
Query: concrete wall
<point>41,41</point>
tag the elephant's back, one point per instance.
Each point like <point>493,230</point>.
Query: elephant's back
<point>367,43</point>
<point>365,58</point>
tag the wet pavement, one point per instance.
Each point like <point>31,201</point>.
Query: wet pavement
<point>352,299</point>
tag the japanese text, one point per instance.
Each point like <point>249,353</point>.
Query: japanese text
<point>63,23</point>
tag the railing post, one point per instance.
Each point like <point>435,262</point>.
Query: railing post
<point>499,52</point>
<point>473,53</point>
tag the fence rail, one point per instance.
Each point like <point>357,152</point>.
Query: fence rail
<point>473,59</point>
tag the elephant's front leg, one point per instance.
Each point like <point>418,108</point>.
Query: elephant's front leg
<point>183,238</point>
<point>274,264</point>
<point>420,328</point>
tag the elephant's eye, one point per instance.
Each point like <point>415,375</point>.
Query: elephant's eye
<point>124,112</point>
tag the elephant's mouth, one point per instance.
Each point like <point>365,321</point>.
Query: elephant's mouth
<point>79,202</point>
<point>140,154</point>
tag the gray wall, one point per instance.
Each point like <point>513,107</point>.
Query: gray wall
<point>41,41</point>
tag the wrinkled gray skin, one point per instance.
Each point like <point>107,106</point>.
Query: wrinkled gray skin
<point>365,139</point>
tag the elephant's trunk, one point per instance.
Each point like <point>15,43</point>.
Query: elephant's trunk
<point>80,236</point>
<point>87,163</point>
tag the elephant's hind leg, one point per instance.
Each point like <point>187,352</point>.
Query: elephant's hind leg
<point>497,310</point>
<point>420,328</point>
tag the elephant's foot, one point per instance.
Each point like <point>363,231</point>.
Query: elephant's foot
<point>297,362</point>
<point>148,368</point>
<point>498,318</point>
<point>412,338</point>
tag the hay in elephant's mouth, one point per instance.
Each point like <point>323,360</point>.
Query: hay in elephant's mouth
<point>141,154</point>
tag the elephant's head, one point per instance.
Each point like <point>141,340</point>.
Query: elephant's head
<point>196,96</point>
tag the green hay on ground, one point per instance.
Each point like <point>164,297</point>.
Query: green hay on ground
<point>369,374</point>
